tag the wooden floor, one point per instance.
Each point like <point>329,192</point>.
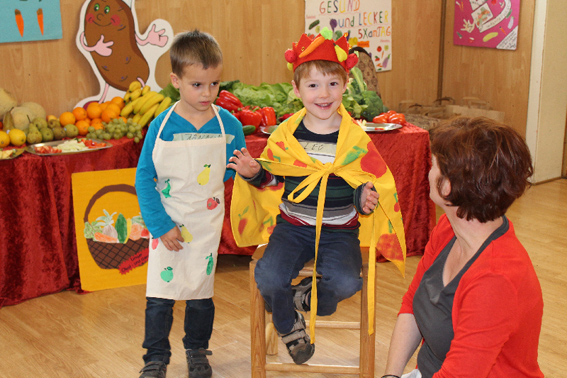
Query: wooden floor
<point>100,334</point>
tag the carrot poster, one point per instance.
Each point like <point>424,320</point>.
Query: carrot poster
<point>112,238</point>
<point>487,23</point>
<point>367,23</point>
<point>30,20</point>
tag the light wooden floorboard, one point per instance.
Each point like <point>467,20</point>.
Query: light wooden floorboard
<point>100,334</point>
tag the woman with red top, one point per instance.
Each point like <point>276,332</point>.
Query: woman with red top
<point>475,303</point>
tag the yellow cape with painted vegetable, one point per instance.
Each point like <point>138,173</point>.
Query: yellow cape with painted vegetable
<point>253,211</point>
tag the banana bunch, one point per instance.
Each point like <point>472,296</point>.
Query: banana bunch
<point>143,104</point>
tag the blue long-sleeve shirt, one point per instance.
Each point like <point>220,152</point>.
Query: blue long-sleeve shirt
<point>156,218</point>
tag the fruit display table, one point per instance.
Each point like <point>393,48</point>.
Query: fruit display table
<point>38,252</point>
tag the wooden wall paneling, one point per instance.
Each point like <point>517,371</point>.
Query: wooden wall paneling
<point>415,49</point>
<point>564,170</point>
<point>253,35</point>
<point>500,77</point>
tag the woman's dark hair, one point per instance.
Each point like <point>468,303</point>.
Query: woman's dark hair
<point>488,165</point>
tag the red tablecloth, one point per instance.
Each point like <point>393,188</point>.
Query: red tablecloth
<point>406,151</point>
<point>38,252</point>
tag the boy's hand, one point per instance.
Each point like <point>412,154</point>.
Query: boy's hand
<point>369,198</point>
<point>243,163</point>
<point>172,238</point>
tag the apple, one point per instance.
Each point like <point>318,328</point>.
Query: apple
<point>167,274</point>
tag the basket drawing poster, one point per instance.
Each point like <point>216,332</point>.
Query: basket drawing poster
<point>112,239</point>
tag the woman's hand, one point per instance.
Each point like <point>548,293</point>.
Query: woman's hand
<point>243,163</point>
<point>172,238</point>
<point>369,198</point>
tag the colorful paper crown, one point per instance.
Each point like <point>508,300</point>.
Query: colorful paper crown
<point>322,47</point>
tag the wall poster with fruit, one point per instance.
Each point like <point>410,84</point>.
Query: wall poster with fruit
<point>367,23</point>
<point>112,239</point>
<point>118,53</point>
<point>30,20</point>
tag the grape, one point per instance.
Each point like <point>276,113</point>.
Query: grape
<point>136,139</point>
<point>130,135</point>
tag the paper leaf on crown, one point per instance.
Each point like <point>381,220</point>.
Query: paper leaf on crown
<point>322,47</point>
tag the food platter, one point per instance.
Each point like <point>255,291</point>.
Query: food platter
<point>16,152</point>
<point>60,144</point>
<point>268,130</point>
<point>380,127</point>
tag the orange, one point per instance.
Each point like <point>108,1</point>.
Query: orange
<point>83,127</point>
<point>118,101</point>
<point>79,113</point>
<point>109,114</point>
<point>4,139</point>
<point>103,105</point>
<point>67,118</point>
<point>123,119</point>
<point>114,107</point>
<point>94,110</point>
<point>97,124</point>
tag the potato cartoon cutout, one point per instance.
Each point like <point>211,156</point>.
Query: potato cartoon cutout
<point>108,37</point>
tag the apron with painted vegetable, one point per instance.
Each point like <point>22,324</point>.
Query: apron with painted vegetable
<point>190,182</point>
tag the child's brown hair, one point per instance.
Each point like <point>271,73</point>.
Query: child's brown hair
<point>194,47</point>
<point>324,66</point>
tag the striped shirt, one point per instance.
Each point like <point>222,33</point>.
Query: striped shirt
<point>340,212</point>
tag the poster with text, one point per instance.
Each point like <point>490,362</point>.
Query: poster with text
<point>30,20</point>
<point>487,23</point>
<point>367,23</point>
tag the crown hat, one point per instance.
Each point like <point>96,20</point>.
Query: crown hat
<point>322,47</point>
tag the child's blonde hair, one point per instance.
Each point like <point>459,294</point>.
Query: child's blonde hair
<point>324,66</point>
<point>194,47</point>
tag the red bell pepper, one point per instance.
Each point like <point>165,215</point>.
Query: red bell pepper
<point>268,116</point>
<point>224,103</point>
<point>285,116</point>
<point>250,117</point>
<point>230,97</point>
<point>228,101</point>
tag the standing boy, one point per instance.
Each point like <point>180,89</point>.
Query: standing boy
<point>328,169</point>
<point>180,186</point>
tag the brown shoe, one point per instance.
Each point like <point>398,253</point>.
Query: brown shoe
<point>298,342</point>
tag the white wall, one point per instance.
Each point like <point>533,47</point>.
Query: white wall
<point>547,105</point>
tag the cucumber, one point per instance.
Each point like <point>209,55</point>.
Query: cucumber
<point>248,129</point>
<point>313,24</point>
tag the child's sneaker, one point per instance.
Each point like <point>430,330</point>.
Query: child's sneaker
<point>198,363</point>
<point>154,369</point>
<point>302,294</point>
<point>298,342</point>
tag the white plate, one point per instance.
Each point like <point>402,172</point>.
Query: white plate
<point>268,130</point>
<point>58,142</point>
<point>18,152</point>
<point>380,127</point>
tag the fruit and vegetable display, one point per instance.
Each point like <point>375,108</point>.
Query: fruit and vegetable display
<point>28,123</point>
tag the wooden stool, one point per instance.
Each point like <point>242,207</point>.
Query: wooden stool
<point>264,340</point>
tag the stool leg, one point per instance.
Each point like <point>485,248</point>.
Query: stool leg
<point>271,338</point>
<point>257,328</point>
<point>367,342</point>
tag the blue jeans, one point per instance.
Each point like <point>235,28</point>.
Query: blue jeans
<point>199,317</point>
<point>339,263</point>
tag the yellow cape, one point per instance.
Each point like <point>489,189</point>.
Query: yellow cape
<point>253,211</point>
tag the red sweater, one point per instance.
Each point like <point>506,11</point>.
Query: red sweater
<point>497,310</point>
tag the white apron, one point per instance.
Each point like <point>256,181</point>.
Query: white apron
<point>190,182</point>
